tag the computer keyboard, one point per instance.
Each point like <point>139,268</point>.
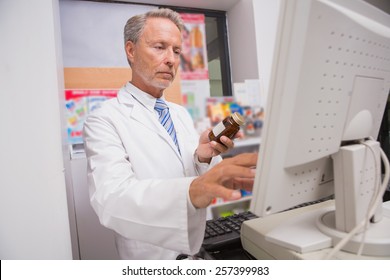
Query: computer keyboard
<point>224,231</point>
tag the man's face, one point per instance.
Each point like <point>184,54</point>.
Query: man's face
<point>156,56</point>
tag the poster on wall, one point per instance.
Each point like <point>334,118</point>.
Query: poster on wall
<point>79,103</point>
<point>194,65</point>
<point>195,94</point>
<point>193,61</point>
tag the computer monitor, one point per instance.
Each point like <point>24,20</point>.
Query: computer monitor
<point>329,85</point>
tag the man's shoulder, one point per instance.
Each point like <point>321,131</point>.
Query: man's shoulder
<point>106,105</point>
<point>177,107</point>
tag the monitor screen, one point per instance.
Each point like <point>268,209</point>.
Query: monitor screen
<point>329,85</point>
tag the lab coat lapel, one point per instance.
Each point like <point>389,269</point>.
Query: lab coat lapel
<point>136,111</point>
<point>140,114</point>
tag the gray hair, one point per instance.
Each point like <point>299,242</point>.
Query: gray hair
<point>135,25</point>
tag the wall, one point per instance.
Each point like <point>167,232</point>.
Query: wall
<point>33,208</point>
<point>265,22</point>
<point>251,52</point>
<point>242,42</point>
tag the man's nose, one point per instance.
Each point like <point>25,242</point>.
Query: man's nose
<point>170,56</point>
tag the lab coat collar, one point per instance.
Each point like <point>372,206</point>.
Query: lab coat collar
<point>139,101</point>
<point>131,93</point>
<point>145,99</point>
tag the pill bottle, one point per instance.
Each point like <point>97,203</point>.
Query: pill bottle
<point>228,127</point>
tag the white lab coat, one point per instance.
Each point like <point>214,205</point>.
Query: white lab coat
<point>138,181</point>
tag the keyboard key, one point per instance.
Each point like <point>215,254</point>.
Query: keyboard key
<point>224,231</point>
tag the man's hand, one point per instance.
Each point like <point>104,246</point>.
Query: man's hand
<point>224,180</point>
<point>208,149</point>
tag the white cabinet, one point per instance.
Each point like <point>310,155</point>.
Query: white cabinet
<point>94,240</point>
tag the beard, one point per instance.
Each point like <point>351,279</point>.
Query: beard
<point>160,80</point>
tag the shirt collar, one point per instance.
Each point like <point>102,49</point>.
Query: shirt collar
<point>142,97</point>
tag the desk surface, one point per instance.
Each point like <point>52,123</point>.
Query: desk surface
<point>237,252</point>
<point>255,236</point>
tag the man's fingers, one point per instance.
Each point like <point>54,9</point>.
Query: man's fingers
<point>224,180</point>
<point>243,183</point>
<point>229,172</point>
<point>245,159</point>
<point>219,191</point>
<point>229,144</point>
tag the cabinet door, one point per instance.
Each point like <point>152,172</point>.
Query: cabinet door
<point>95,241</point>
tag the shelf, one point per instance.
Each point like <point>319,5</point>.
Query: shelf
<point>248,141</point>
<point>227,203</point>
<point>76,151</point>
<point>215,210</point>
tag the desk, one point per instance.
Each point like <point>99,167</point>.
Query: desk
<point>263,249</point>
<point>255,236</point>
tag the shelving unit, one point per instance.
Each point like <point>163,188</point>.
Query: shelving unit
<point>246,145</point>
<point>248,141</point>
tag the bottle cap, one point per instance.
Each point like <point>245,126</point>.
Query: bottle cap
<point>238,118</point>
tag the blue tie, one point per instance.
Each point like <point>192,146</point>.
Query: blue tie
<point>165,119</point>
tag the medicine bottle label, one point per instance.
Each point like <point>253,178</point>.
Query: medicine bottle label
<point>218,128</point>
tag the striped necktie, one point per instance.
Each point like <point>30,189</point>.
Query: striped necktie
<point>165,119</point>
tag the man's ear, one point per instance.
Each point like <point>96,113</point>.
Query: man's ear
<point>130,49</point>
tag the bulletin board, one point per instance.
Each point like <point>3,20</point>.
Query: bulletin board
<point>111,78</point>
